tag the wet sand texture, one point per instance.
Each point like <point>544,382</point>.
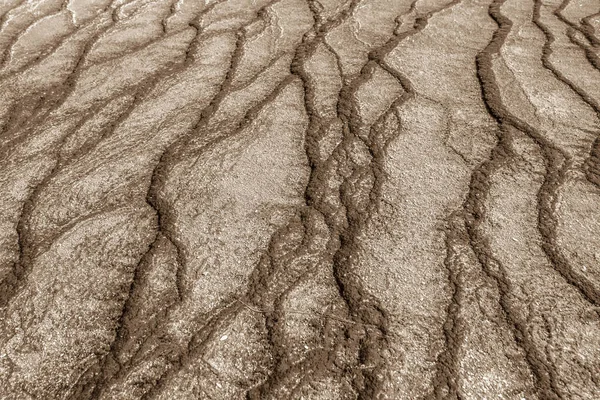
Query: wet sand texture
<point>299,199</point>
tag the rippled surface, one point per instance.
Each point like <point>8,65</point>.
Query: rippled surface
<point>248,199</point>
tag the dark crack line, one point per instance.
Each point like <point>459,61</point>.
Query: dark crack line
<point>21,267</point>
<point>446,379</point>
<point>593,160</point>
<point>10,286</point>
<point>150,201</point>
<point>13,283</point>
<point>557,165</point>
<point>4,55</point>
<point>584,30</point>
<point>309,44</point>
<point>368,383</point>
<point>544,372</point>
<point>51,51</point>
<point>587,25</point>
<point>446,382</point>
<point>160,170</point>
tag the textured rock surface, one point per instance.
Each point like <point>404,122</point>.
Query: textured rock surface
<point>300,199</point>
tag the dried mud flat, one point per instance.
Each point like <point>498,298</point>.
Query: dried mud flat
<point>300,199</point>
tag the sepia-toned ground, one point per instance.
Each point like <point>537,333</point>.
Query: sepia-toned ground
<point>299,199</point>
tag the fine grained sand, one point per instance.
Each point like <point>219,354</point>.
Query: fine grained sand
<point>300,199</point>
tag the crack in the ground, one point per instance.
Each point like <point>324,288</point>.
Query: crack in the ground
<point>322,242</point>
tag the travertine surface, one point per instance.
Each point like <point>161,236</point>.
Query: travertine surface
<point>299,199</point>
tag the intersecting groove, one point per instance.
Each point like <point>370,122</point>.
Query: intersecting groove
<point>298,199</point>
